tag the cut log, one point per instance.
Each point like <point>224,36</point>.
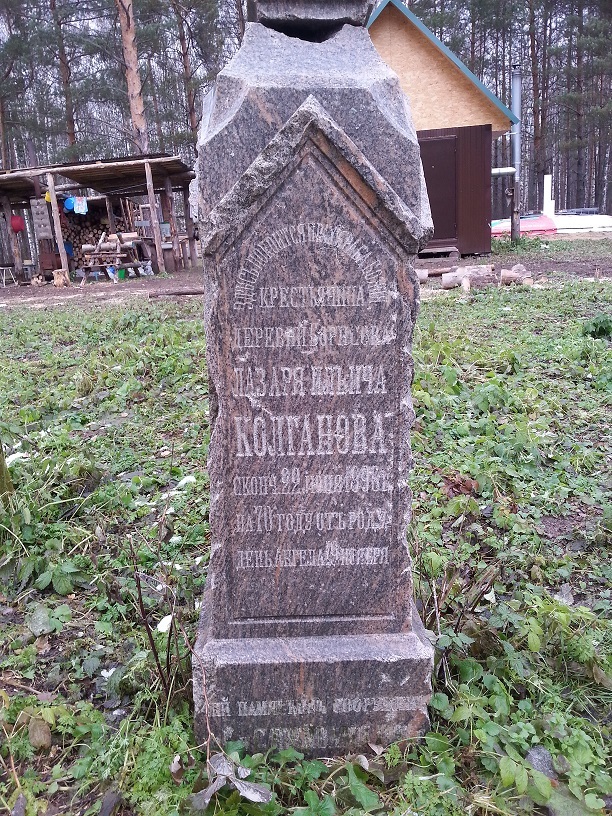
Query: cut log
<point>438,271</point>
<point>423,274</point>
<point>478,275</point>
<point>61,278</point>
<point>508,276</point>
<point>177,293</point>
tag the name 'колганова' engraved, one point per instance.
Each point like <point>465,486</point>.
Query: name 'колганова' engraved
<point>338,238</point>
<point>266,435</point>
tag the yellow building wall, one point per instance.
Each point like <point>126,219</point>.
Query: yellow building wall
<point>441,96</point>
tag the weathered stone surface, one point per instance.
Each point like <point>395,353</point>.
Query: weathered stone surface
<point>322,695</point>
<point>307,631</point>
<point>309,15</point>
<point>270,77</point>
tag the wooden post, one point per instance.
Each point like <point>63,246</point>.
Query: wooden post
<point>515,215</point>
<point>112,225</point>
<point>13,239</point>
<point>193,256</point>
<point>176,245</point>
<point>57,224</point>
<point>154,219</point>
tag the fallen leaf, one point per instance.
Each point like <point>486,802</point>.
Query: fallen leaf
<point>201,800</point>
<point>599,676</point>
<point>378,749</point>
<point>221,765</point>
<point>164,624</point>
<point>39,734</point>
<point>42,645</point>
<point>252,791</point>
<point>177,770</point>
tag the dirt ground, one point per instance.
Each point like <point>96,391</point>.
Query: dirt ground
<point>581,258</point>
<point>102,292</point>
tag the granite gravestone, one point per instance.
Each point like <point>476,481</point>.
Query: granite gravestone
<point>272,74</point>
<point>308,636</point>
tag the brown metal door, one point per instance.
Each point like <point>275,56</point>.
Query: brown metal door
<point>439,157</point>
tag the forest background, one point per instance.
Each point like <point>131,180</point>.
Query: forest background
<point>87,79</point>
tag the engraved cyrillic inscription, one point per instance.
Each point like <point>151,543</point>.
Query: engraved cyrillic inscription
<point>267,435</point>
<point>318,381</point>
<point>330,556</point>
<point>310,336</point>
<point>265,518</point>
<point>272,708</point>
<point>311,425</point>
<point>354,479</point>
<point>335,237</point>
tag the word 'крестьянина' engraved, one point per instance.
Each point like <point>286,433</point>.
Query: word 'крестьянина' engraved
<point>334,237</point>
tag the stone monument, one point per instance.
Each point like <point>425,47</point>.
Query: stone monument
<point>308,635</point>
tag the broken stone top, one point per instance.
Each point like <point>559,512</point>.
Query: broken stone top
<point>310,121</point>
<point>308,16</point>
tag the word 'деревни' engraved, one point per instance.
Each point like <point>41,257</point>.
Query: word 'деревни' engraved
<point>308,337</point>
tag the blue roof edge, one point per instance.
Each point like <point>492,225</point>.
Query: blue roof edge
<point>445,50</point>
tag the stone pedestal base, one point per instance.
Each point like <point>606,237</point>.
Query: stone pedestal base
<point>321,695</point>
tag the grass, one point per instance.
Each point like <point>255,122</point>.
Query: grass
<point>104,549</point>
<point>554,248</point>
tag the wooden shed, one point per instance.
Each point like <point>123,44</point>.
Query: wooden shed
<point>37,194</point>
<point>456,118</point>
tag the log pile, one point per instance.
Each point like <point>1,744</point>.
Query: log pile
<point>475,277</point>
<point>81,230</point>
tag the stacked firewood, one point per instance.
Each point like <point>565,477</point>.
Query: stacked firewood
<point>83,230</point>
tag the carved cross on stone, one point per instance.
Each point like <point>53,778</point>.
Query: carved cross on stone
<point>308,15</point>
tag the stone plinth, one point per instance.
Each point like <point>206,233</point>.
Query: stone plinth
<point>309,15</point>
<point>307,633</point>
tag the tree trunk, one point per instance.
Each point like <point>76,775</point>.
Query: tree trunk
<point>155,102</point>
<point>241,20</point>
<point>190,96</point>
<point>65,74</point>
<point>6,484</point>
<point>580,141</point>
<point>125,10</point>
<point>536,62</point>
<point>4,161</point>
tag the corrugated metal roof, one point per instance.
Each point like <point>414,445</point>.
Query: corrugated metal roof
<point>446,51</point>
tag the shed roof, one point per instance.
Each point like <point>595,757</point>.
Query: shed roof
<point>438,44</point>
<point>119,176</point>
